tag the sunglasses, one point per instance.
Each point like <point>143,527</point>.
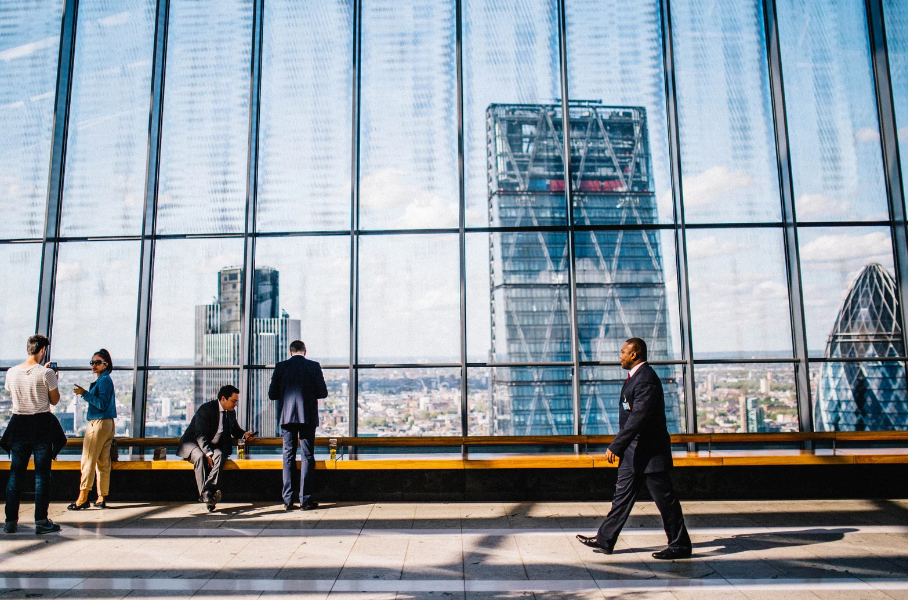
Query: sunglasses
<point>95,363</point>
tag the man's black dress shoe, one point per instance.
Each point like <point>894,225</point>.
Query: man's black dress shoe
<point>593,543</point>
<point>311,505</point>
<point>289,507</point>
<point>672,553</point>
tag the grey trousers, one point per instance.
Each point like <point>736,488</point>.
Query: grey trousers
<point>206,478</point>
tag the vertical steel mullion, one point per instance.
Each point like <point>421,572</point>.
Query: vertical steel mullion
<point>54,208</point>
<point>152,174</point>
<point>569,213</point>
<point>674,150</point>
<point>789,217</point>
<point>464,391</point>
<point>353,386</point>
<point>879,53</point>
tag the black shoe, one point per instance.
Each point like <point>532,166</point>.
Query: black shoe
<point>672,553</point>
<point>74,506</point>
<point>311,505</point>
<point>10,526</point>
<point>289,507</point>
<point>101,504</point>
<point>46,526</point>
<point>593,543</point>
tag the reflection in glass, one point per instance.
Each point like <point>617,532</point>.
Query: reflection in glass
<point>746,398</point>
<point>896,16</point>
<point>172,400</point>
<point>626,287</point>
<point>72,410</point>
<point>305,121</point>
<point>333,411</point>
<point>738,293</point>
<point>20,272</point>
<point>600,396</point>
<point>107,139</point>
<point>599,66</point>
<point>314,278</point>
<point>859,396</point>
<point>202,187</point>
<point>409,291</point>
<point>409,402</point>
<point>408,103</point>
<point>833,129</point>
<point>95,301</point>
<point>510,56</point>
<point>728,154</point>
<point>832,263</point>
<point>29,49</point>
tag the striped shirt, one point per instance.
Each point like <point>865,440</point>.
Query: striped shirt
<point>29,387</point>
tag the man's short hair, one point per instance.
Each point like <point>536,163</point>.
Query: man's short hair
<point>296,346</point>
<point>227,390</point>
<point>36,343</point>
<point>639,346</point>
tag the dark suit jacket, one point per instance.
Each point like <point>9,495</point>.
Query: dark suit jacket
<point>643,440</point>
<point>204,426</point>
<point>297,385</point>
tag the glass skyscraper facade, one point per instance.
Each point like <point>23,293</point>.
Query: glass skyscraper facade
<point>191,184</point>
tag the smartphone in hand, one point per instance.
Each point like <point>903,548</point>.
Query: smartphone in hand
<point>52,366</point>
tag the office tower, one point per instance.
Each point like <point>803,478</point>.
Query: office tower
<point>864,396</point>
<point>756,416</point>
<point>620,280</point>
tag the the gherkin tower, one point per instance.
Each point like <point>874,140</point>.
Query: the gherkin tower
<point>867,395</point>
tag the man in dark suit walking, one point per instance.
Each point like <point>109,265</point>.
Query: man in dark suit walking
<point>298,385</point>
<point>207,442</point>
<point>644,447</point>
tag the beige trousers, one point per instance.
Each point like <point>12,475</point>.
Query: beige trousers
<point>96,455</point>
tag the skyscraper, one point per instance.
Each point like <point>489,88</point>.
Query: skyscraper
<point>867,395</point>
<point>620,280</point>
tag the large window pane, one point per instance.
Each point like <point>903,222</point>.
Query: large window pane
<point>510,57</point>
<point>174,396</point>
<point>95,301</point>
<point>600,67</point>
<point>409,126</point>
<point>409,402</point>
<point>748,398</point>
<point>72,410</point>
<point>626,287</point>
<point>833,128</point>
<point>198,287</point>
<point>29,49</point>
<point>850,294</point>
<point>409,290</point>
<point>859,396</point>
<point>600,395</point>
<point>525,401</point>
<point>107,143</point>
<point>202,188</point>
<point>896,13</point>
<point>727,145</point>
<point>306,114</point>
<point>20,272</point>
<point>333,411</point>
<point>738,293</point>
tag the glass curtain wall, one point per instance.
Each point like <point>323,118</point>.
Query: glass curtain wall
<point>463,241</point>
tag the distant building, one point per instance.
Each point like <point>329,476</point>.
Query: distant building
<point>867,395</point>
<point>620,279</point>
<point>756,416</point>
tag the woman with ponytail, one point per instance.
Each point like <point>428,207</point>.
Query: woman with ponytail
<point>102,411</point>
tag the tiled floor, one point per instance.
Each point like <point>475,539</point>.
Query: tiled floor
<point>743,550</point>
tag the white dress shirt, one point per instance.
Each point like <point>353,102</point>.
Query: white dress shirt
<point>635,369</point>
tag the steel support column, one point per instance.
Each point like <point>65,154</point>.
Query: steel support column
<point>464,391</point>
<point>353,387</point>
<point>53,211</point>
<point>152,173</point>
<point>674,151</point>
<point>879,53</point>
<point>786,187</point>
<point>247,307</point>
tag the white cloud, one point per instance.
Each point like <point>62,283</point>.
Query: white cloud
<point>709,247</point>
<point>704,189</point>
<point>867,248</point>
<point>867,134</point>
<point>820,207</point>
<point>405,204</point>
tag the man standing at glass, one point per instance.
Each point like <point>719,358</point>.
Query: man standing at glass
<point>644,448</point>
<point>297,385</point>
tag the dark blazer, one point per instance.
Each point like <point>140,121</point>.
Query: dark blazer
<point>643,439</point>
<point>204,426</point>
<point>297,385</point>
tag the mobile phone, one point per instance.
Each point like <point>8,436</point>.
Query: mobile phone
<point>52,366</point>
<point>253,432</point>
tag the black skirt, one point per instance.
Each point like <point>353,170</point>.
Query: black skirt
<point>42,428</point>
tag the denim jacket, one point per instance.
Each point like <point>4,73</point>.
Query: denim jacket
<point>100,398</point>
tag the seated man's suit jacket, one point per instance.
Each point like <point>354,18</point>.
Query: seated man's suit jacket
<point>297,385</point>
<point>643,442</point>
<point>204,426</point>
